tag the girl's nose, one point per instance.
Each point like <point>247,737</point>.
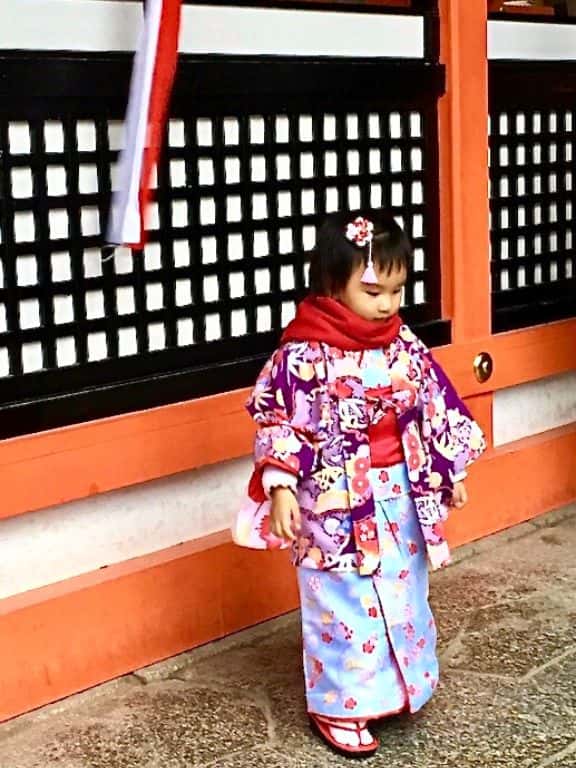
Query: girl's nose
<point>384,305</point>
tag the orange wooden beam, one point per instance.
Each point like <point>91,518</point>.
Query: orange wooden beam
<point>67,637</point>
<point>463,128</point>
<point>53,467</point>
<point>481,407</point>
<point>519,357</point>
<point>464,173</point>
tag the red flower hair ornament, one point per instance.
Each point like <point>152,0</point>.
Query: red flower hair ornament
<point>361,233</point>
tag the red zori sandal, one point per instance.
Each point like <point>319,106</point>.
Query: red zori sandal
<point>350,738</point>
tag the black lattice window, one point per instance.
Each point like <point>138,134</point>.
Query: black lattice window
<point>239,194</point>
<point>532,176</point>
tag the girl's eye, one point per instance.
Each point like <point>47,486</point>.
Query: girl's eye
<point>372,293</point>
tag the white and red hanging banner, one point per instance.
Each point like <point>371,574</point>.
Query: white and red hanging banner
<point>150,90</point>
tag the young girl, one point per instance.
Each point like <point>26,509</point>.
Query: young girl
<point>362,446</point>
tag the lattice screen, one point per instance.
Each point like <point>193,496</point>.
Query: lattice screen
<point>239,197</point>
<point>532,211</point>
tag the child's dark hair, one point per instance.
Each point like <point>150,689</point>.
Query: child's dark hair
<point>335,258</point>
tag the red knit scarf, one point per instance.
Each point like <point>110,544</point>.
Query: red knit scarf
<point>320,318</point>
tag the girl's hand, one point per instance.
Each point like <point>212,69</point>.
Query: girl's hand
<point>284,514</point>
<point>459,496</point>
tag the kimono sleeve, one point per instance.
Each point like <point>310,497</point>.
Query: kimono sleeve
<point>282,405</point>
<point>456,438</point>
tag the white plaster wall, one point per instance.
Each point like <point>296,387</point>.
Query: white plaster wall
<point>44,547</point>
<point>113,26</point>
<point>529,40</point>
<point>530,409</point>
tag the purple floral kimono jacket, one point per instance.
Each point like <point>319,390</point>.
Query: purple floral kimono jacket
<point>312,416</point>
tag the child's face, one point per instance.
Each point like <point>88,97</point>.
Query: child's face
<point>374,302</point>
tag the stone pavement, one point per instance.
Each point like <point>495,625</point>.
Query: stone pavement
<point>507,618</point>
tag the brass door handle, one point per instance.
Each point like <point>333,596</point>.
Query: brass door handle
<point>483,367</point>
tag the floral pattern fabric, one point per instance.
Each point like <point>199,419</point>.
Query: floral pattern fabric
<point>310,406</point>
<point>370,641</point>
